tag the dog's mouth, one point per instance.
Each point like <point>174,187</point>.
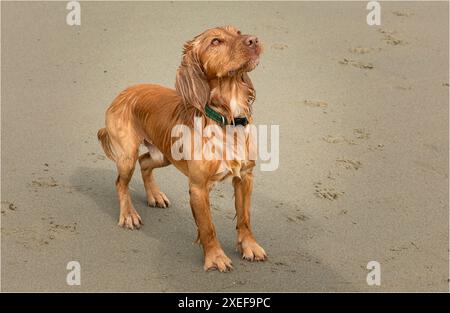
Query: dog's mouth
<point>248,66</point>
<point>252,64</point>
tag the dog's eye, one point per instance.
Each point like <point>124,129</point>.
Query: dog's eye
<point>239,32</point>
<point>215,42</point>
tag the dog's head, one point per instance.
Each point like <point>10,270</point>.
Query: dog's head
<point>218,53</point>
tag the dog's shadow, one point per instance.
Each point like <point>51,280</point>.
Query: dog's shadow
<point>99,185</point>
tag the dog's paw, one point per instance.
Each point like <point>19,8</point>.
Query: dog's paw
<point>217,260</point>
<point>130,220</point>
<point>158,199</point>
<point>252,251</point>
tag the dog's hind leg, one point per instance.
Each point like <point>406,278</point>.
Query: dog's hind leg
<point>149,161</point>
<point>121,145</point>
<point>125,145</point>
<point>129,217</point>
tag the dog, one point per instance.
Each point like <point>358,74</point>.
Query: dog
<point>212,81</point>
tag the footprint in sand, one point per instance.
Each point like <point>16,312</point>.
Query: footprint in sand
<point>11,206</point>
<point>378,147</point>
<point>315,103</point>
<point>349,164</point>
<point>358,133</point>
<point>96,156</point>
<point>391,38</point>
<point>361,133</point>
<point>327,193</point>
<point>61,228</point>
<point>334,139</point>
<point>357,64</point>
<point>279,46</point>
<point>297,218</point>
<point>403,13</point>
<point>41,182</point>
<point>362,50</point>
<point>338,139</point>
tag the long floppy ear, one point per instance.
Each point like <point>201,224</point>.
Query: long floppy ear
<point>191,81</point>
<point>251,89</point>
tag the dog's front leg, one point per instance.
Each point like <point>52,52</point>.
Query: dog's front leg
<point>214,255</point>
<point>246,242</point>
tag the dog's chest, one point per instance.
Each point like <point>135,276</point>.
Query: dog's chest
<point>239,161</point>
<point>232,169</point>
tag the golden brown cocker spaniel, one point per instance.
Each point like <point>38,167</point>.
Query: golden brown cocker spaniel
<point>213,76</point>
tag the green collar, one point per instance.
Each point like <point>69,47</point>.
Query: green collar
<point>219,118</point>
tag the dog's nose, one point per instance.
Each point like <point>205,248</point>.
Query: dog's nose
<point>251,41</point>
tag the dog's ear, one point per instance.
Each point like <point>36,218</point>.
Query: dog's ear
<point>191,83</point>
<point>251,89</point>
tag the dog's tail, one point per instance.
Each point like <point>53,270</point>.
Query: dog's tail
<point>103,137</point>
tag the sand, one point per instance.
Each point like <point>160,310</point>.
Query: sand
<point>363,174</point>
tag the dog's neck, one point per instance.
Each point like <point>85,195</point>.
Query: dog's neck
<point>231,96</point>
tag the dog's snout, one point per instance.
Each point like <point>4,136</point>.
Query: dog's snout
<point>251,41</point>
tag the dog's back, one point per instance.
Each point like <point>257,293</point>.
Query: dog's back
<point>136,113</point>
<point>142,99</point>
